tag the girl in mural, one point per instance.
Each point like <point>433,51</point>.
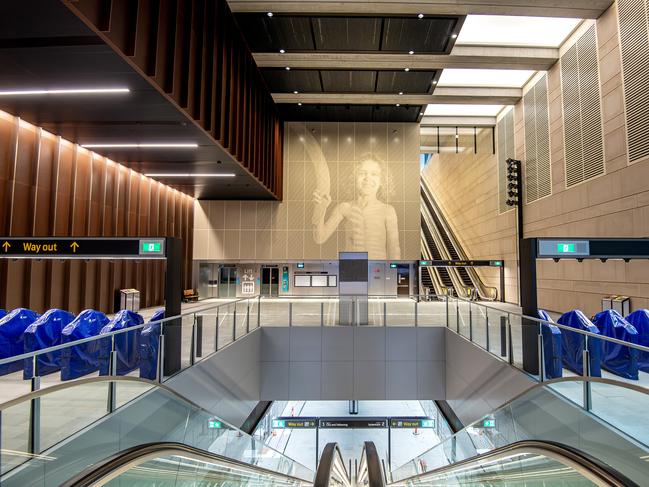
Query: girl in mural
<point>371,225</point>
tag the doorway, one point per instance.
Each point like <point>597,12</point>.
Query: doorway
<point>269,281</point>
<point>403,280</point>
<point>228,282</point>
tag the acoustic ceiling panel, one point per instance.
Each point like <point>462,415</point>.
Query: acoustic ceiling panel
<point>347,33</point>
<point>410,82</point>
<point>427,35</point>
<point>349,81</point>
<point>270,34</point>
<point>280,80</point>
<point>350,113</point>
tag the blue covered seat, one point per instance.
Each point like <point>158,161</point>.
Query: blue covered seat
<point>79,360</point>
<point>12,328</point>
<point>552,350</point>
<point>616,358</point>
<point>149,346</point>
<point>640,320</point>
<point>43,333</point>
<point>126,344</point>
<point>573,343</point>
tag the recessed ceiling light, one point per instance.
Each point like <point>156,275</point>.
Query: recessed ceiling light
<point>270,14</point>
<point>398,104</point>
<point>421,114</point>
<point>282,51</point>
<point>420,16</point>
<point>401,92</point>
<point>188,175</point>
<point>69,91</point>
<point>453,36</point>
<point>295,92</point>
<point>141,146</point>
<point>411,52</point>
<point>406,69</point>
<point>299,103</point>
<point>434,81</point>
<point>288,68</point>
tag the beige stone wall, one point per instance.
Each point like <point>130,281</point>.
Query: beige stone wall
<point>329,158</point>
<point>466,189</point>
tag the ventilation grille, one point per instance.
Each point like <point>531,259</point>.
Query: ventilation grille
<point>634,39</point>
<point>538,181</point>
<point>505,136</point>
<point>584,151</point>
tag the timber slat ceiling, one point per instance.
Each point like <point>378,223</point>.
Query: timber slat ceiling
<point>194,53</point>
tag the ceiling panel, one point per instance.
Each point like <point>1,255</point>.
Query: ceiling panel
<point>283,81</point>
<point>270,34</point>
<point>350,113</point>
<point>349,81</point>
<point>411,82</point>
<point>424,36</point>
<point>347,33</point>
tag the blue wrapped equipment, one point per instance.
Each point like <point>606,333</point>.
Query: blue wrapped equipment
<point>552,350</point>
<point>12,328</point>
<point>618,359</point>
<point>640,321</point>
<point>79,360</point>
<point>3,313</point>
<point>149,346</point>
<point>573,343</point>
<point>43,333</point>
<point>126,344</point>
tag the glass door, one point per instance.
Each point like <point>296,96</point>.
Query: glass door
<point>269,281</point>
<point>228,282</point>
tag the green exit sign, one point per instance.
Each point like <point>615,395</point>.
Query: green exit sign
<point>488,423</point>
<point>151,247</point>
<point>214,424</point>
<point>393,266</point>
<point>423,262</point>
<point>278,423</point>
<point>566,248</point>
<point>427,423</point>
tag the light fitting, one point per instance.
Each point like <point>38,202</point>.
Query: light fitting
<point>188,175</point>
<point>146,145</point>
<point>67,91</point>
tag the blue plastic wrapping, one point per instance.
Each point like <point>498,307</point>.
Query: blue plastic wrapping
<point>573,343</point>
<point>3,313</point>
<point>12,328</point>
<point>552,349</point>
<point>149,346</point>
<point>616,358</point>
<point>79,360</point>
<point>43,333</point>
<point>640,320</point>
<point>126,344</point>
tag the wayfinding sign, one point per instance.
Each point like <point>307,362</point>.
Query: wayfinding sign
<point>460,263</point>
<point>294,423</point>
<point>82,248</point>
<point>411,423</point>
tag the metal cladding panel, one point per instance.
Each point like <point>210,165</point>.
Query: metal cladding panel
<point>280,80</point>
<point>340,81</point>
<point>347,33</point>
<point>408,82</point>
<point>427,35</point>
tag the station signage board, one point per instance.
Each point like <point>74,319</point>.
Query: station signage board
<point>353,423</point>
<point>411,423</point>
<point>556,248</point>
<point>294,423</point>
<point>460,263</point>
<point>84,247</point>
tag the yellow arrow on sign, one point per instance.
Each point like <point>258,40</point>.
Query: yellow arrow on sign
<point>6,246</point>
<point>74,246</point>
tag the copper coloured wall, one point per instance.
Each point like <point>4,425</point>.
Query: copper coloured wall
<point>51,187</point>
<point>193,52</point>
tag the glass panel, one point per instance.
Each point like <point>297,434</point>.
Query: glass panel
<point>401,312</point>
<point>274,312</point>
<point>626,409</point>
<point>226,322</point>
<point>14,437</point>
<point>463,316</point>
<point>306,312</point>
<point>431,313</point>
<point>243,318</point>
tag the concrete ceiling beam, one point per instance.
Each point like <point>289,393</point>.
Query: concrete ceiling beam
<point>456,120</point>
<point>581,9</point>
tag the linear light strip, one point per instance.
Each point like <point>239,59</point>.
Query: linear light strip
<point>194,175</point>
<point>141,146</point>
<point>72,91</point>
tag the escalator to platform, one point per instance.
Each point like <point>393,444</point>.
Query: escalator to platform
<point>159,438</point>
<point>434,252</point>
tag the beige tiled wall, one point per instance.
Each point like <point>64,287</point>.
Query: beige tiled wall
<point>259,230</point>
<point>466,189</point>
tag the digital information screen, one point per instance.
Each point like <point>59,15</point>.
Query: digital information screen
<point>550,248</point>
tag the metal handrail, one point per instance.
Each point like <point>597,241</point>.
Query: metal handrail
<point>330,460</point>
<point>369,470</point>
<point>114,466</point>
<point>589,467</point>
<point>81,341</point>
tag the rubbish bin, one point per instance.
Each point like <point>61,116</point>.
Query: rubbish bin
<point>128,299</point>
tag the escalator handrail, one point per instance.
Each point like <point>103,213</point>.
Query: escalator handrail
<point>370,472</point>
<point>328,459</point>
<point>113,466</point>
<point>586,465</point>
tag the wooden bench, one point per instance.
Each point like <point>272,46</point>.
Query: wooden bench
<point>190,295</point>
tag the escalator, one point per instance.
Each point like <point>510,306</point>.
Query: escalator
<point>434,252</point>
<point>159,438</point>
<point>466,277</point>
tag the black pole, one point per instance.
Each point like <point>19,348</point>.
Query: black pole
<point>502,282</point>
<point>529,304</point>
<point>173,292</point>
